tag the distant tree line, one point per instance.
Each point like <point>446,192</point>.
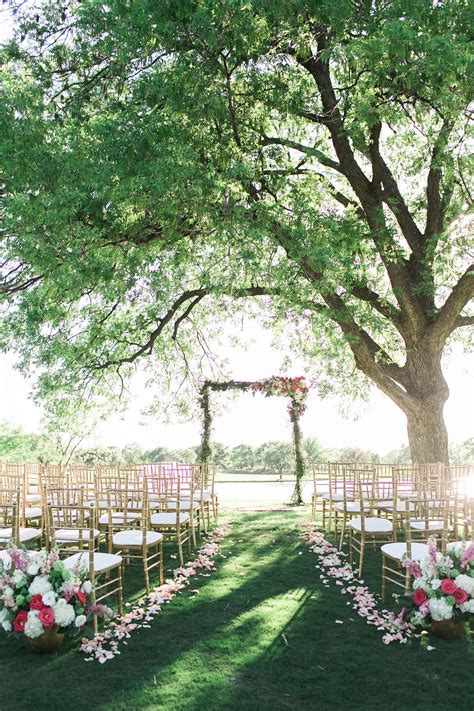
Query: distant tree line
<point>18,445</point>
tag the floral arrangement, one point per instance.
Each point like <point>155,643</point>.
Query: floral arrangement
<point>294,388</point>
<point>37,593</point>
<point>443,585</point>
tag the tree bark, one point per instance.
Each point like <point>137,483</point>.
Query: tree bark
<point>427,433</point>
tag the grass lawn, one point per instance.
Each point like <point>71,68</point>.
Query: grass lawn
<point>224,647</point>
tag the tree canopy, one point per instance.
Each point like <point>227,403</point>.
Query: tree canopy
<point>161,162</point>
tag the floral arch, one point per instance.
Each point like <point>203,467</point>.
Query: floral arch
<point>293,388</point>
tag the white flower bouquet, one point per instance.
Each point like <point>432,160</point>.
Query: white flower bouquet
<point>38,593</point>
<point>443,586</point>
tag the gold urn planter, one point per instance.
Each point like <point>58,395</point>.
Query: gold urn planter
<point>447,629</point>
<point>47,643</point>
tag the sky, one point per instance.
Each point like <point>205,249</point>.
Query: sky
<point>254,419</point>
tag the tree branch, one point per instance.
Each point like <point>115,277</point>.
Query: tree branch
<point>449,313</point>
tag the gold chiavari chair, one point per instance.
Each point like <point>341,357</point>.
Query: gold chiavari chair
<point>349,476</point>
<point>371,528</point>
<point>430,517</point>
<point>182,476</point>
<point>394,554</point>
<point>80,521</point>
<point>14,479</point>
<point>171,521</point>
<point>10,529</point>
<point>70,513</point>
<point>340,490</point>
<point>208,492</point>
<point>136,541</point>
<point>320,494</point>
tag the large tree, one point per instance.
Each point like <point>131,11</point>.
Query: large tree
<point>162,161</point>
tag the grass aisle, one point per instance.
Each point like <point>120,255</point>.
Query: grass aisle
<point>260,634</point>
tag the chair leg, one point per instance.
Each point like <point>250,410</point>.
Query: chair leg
<point>161,563</point>
<point>384,565</point>
<point>188,536</point>
<point>361,560</point>
<point>120,590</point>
<point>180,546</point>
<point>351,544</point>
<point>145,570</point>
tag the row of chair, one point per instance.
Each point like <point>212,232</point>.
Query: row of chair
<point>383,505</point>
<point>108,517</point>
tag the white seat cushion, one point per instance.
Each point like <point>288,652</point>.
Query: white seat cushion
<point>65,535</point>
<point>137,506</point>
<point>134,538</point>
<point>102,561</point>
<point>185,505</point>
<point>168,519</point>
<point>33,513</point>
<point>335,497</point>
<point>33,499</point>
<point>401,506</point>
<point>26,534</point>
<point>422,525</point>
<point>118,517</point>
<point>351,507</point>
<point>372,524</point>
<point>398,550</point>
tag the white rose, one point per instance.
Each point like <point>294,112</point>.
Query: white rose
<point>6,560</point>
<point>63,613</point>
<point>466,583</point>
<point>7,625</point>
<point>435,583</point>
<point>33,569</point>
<point>80,620</point>
<point>33,627</point>
<point>18,577</point>
<point>87,587</point>
<point>440,609</point>
<point>49,598</point>
<point>39,586</point>
<point>8,592</point>
<point>468,606</point>
<point>420,584</point>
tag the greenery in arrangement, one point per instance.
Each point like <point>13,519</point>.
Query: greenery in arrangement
<point>162,162</point>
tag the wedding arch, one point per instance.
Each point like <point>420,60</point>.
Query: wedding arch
<point>293,388</point>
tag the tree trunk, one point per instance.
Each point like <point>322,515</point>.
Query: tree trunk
<point>428,392</point>
<point>427,433</point>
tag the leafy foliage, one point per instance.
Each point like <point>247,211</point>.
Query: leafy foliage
<point>162,161</point>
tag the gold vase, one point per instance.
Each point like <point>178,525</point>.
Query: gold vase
<point>447,629</point>
<point>47,643</point>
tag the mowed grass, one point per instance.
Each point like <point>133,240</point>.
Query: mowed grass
<point>261,634</point>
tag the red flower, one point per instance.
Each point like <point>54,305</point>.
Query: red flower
<point>20,621</point>
<point>46,617</point>
<point>36,603</point>
<point>81,597</point>
<point>419,596</point>
<point>460,596</point>
<point>448,586</point>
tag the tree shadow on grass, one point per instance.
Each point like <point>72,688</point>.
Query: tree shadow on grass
<point>200,622</point>
<point>224,649</point>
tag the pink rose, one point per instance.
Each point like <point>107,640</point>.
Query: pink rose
<point>419,596</point>
<point>36,602</point>
<point>20,621</point>
<point>460,596</point>
<point>448,586</point>
<point>46,617</point>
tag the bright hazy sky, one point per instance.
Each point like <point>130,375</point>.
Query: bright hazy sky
<point>255,419</point>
